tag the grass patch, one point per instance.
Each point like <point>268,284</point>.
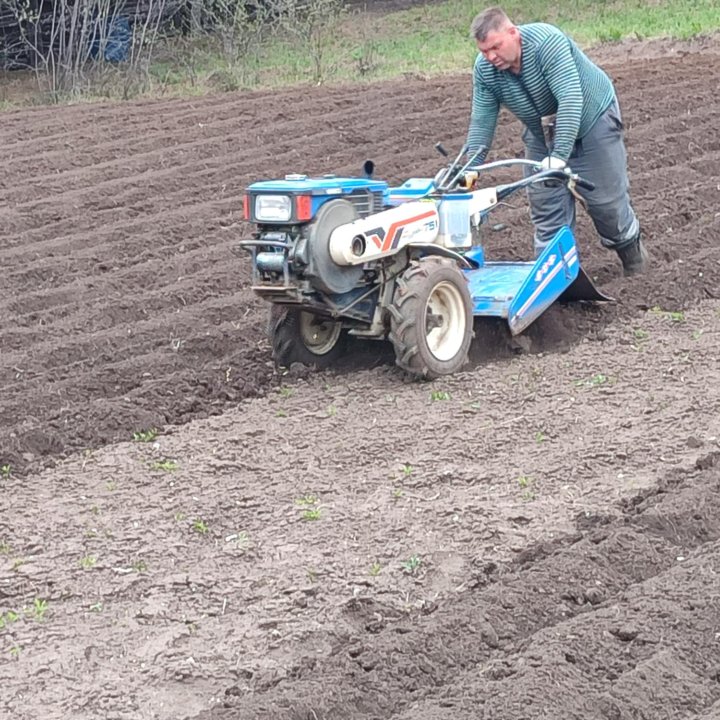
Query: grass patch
<point>434,39</point>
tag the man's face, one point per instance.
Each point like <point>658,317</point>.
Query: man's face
<point>502,48</point>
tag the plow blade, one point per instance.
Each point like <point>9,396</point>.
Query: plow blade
<point>583,289</point>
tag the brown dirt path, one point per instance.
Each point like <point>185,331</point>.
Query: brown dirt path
<point>562,510</point>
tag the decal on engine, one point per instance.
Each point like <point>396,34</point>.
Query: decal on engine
<point>390,239</point>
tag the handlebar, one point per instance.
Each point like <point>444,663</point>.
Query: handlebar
<point>565,175</point>
<point>449,178</point>
<point>583,183</point>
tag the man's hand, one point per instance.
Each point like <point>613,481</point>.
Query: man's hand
<point>553,163</point>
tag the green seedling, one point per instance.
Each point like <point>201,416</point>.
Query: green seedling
<point>411,565</point>
<point>179,516</point>
<point>639,334</point>
<point>309,502</point>
<point>241,540</point>
<point>139,566</point>
<point>375,569</point>
<point>528,495</point>
<point>540,437</point>
<point>594,381</point>
<point>332,411</point>
<point>87,456</point>
<point>88,562</point>
<point>4,548</point>
<point>200,527</point>
<point>111,485</point>
<point>697,334</point>
<point>8,618</point>
<point>166,465</point>
<point>524,481</point>
<point>673,315</point>
<point>285,391</point>
<point>397,493</point>
<point>96,607</point>
<point>5,471</point>
<point>312,575</point>
<point>145,436</point>
<point>38,610</point>
<point>436,395</point>
<point>18,563</point>
<point>15,651</point>
<point>407,470</point>
<point>281,413</point>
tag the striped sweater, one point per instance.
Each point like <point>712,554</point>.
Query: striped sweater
<point>555,77</point>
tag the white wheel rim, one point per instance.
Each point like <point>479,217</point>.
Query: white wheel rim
<point>445,321</point>
<point>319,335</point>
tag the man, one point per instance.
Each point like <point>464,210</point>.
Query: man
<point>571,116</point>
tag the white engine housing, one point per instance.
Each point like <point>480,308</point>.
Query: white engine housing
<point>444,221</point>
<point>384,233</point>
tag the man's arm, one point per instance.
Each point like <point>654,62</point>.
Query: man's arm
<point>483,117</point>
<point>563,79</point>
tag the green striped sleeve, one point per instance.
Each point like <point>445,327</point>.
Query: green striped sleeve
<point>483,117</point>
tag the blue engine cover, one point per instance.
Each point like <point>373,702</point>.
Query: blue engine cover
<point>366,194</point>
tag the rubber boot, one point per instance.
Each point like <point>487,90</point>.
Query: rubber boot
<point>634,257</point>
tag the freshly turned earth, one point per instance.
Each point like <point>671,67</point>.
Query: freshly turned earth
<point>544,542</point>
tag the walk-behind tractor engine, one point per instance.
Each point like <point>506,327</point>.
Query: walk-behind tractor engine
<point>351,255</point>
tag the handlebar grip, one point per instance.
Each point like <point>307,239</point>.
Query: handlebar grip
<point>584,184</point>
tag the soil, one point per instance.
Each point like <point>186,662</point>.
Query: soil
<point>537,536</point>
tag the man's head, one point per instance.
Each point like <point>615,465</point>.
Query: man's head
<point>497,39</point>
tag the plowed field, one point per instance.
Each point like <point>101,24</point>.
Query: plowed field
<point>535,537</point>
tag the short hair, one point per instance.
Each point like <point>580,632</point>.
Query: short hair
<point>490,20</point>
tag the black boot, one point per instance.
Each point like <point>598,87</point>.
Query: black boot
<point>634,257</point>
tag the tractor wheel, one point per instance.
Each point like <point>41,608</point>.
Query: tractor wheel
<point>298,336</point>
<point>431,319</point>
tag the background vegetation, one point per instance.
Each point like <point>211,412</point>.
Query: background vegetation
<point>225,45</point>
